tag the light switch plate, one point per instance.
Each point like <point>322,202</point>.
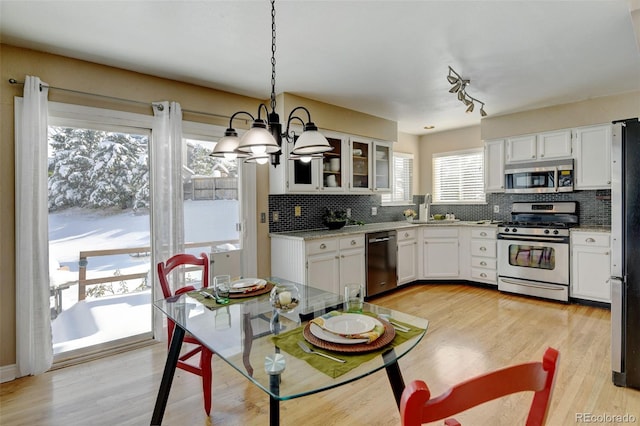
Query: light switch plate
<point>374,211</point>
<point>297,211</point>
<point>496,208</point>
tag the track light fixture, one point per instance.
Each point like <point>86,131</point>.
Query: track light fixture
<point>459,86</point>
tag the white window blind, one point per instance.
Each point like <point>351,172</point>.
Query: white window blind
<point>402,184</point>
<point>458,177</point>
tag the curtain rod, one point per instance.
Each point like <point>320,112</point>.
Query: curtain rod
<point>14,81</point>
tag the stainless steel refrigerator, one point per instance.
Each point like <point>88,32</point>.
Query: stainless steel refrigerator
<point>625,253</point>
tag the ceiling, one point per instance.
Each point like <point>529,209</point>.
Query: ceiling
<point>385,58</point>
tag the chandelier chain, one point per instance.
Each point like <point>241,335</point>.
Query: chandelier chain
<point>273,55</point>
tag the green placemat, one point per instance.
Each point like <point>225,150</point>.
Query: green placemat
<point>211,303</point>
<point>288,342</point>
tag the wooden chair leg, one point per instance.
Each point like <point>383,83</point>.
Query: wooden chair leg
<point>207,379</point>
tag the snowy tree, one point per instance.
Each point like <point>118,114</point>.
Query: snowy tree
<point>97,169</point>
<point>114,171</point>
<point>70,165</point>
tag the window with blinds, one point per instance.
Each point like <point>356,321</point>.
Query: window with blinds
<point>458,177</point>
<point>402,184</point>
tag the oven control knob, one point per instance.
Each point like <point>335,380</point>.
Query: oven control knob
<point>506,229</point>
<point>546,231</point>
<point>556,232</point>
<point>514,230</point>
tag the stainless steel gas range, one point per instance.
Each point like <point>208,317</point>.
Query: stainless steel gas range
<point>533,249</point>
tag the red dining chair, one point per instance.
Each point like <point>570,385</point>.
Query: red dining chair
<point>417,406</point>
<point>203,368</point>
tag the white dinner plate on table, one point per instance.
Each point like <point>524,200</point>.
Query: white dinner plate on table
<point>333,338</point>
<point>246,283</point>
<point>350,323</point>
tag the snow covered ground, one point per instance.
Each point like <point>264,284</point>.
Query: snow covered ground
<point>97,320</point>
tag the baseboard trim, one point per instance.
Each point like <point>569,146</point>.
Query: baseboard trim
<point>8,373</point>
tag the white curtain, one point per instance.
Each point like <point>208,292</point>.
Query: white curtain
<point>167,219</point>
<point>34,350</point>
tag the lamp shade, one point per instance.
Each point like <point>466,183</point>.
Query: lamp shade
<point>311,141</point>
<point>227,146</point>
<point>258,140</point>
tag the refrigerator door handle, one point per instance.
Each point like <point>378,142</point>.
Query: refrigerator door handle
<point>616,324</point>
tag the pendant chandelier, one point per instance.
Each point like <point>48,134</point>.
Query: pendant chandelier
<point>263,141</point>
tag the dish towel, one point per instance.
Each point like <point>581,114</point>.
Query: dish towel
<point>371,336</point>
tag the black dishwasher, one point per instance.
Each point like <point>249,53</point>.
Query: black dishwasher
<point>381,262</point>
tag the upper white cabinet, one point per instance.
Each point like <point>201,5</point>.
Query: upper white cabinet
<point>552,145</point>
<point>541,146</point>
<point>521,148</point>
<point>353,166</point>
<point>494,166</point>
<point>593,157</point>
<point>371,165</point>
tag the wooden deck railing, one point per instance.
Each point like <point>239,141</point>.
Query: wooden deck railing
<point>83,281</point>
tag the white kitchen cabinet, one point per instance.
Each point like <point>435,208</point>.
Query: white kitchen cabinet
<point>494,166</point>
<point>591,266</point>
<point>440,252</point>
<point>484,255</point>
<point>552,145</point>
<point>539,147</point>
<point>521,148</point>
<point>329,174</point>
<point>323,271</point>
<point>352,261</point>
<point>407,255</point>
<point>371,165</point>
<point>593,157</point>
<point>326,263</point>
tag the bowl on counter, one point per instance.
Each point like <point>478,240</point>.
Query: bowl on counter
<point>335,224</point>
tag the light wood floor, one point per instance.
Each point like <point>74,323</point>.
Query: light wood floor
<point>472,330</point>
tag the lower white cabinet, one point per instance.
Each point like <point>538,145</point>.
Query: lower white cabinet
<point>440,252</point>
<point>591,266</point>
<point>484,255</point>
<point>327,263</point>
<point>407,255</point>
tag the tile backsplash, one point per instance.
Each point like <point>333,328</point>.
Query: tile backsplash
<point>594,208</point>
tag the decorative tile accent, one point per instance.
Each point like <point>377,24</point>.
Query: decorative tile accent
<point>594,208</point>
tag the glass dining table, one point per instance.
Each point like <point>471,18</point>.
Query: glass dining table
<point>263,344</point>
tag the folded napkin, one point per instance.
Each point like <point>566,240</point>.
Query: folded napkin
<point>371,336</point>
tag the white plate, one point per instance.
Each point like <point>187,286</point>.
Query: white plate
<point>350,323</point>
<point>334,338</point>
<point>247,282</point>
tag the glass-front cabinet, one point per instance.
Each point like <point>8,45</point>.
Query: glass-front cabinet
<point>371,165</point>
<point>354,165</point>
<point>334,176</point>
<point>360,165</point>
<point>382,166</point>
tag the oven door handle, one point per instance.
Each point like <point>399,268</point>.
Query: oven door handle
<point>533,238</point>
<point>557,287</point>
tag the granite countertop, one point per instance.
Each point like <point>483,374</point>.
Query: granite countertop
<point>311,234</point>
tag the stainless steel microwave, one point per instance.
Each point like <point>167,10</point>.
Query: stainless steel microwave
<point>539,177</point>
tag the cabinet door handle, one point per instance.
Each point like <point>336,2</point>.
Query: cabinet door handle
<point>406,234</point>
<point>323,246</point>
<point>483,248</point>
<point>483,234</point>
<point>353,242</point>
<point>338,257</point>
<point>483,263</point>
<point>342,256</point>
<point>483,275</point>
<point>590,240</point>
